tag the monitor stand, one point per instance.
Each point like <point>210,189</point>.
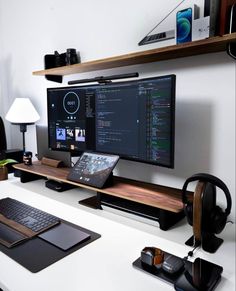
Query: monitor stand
<point>127,195</point>
<point>95,201</point>
<point>165,218</point>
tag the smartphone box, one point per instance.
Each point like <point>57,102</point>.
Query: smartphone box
<point>201,28</point>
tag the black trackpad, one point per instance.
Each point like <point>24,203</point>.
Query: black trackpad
<point>64,236</point>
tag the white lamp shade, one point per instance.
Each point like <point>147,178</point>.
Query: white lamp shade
<point>22,111</point>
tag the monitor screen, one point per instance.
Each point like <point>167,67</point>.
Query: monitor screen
<point>132,119</point>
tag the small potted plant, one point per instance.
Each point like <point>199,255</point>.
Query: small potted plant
<point>3,168</point>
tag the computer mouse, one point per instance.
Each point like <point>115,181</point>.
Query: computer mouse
<point>172,264</point>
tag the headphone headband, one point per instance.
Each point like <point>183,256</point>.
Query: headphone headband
<point>210,179</point>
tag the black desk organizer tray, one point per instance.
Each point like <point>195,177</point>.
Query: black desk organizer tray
<point>159,273</point>
<point>180,276</point>
<point>36,254</point>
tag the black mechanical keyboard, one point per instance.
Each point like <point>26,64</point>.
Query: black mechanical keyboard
<point>32,218</point>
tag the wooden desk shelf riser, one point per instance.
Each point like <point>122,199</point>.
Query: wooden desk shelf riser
<point>161,197</point>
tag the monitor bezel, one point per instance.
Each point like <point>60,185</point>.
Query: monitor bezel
<point>172,114</point>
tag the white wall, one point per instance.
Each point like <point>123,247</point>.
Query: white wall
<point>205,96</point>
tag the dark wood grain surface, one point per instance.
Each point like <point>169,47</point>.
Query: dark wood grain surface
<point>149,194</point>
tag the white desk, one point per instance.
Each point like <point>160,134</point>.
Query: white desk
<point>105,264</point>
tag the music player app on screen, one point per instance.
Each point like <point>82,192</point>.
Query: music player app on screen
<point>69,112</point>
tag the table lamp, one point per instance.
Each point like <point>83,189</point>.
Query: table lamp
<point>23,113</point>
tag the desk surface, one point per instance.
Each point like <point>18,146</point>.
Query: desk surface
<point>105,264</point>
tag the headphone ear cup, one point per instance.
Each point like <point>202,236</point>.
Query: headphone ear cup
<point>219,219</point>
<point>188,209</point>
<point>213,217</point>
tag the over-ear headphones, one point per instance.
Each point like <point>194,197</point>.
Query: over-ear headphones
<point>202,212</point>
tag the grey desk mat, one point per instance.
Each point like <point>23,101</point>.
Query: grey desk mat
<point>37,254</point>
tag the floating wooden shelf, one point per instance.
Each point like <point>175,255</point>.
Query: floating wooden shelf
<point>210,45</point>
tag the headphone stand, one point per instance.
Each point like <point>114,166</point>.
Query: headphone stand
<point>210,243</point>
<point>204,215</point>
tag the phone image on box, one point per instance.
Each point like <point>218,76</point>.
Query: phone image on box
<point>184,25</point>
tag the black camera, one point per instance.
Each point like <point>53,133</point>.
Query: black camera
<point>71,57</point>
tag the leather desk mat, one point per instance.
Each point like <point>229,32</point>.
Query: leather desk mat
<point>36,254</point>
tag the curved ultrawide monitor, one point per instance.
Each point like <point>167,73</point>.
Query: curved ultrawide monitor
<point>132,119</point>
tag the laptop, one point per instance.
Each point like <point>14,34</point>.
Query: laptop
<point>44,151</point>
<point>162,30</point>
